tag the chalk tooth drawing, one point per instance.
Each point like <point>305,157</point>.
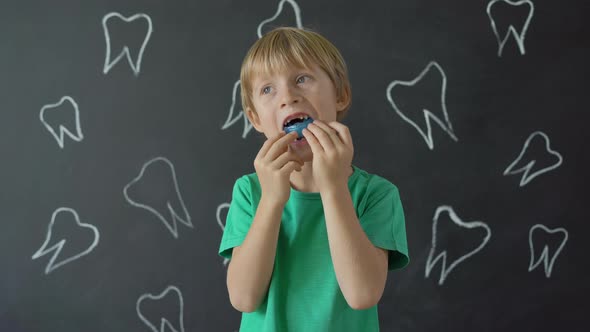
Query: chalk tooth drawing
<point>296,11</point>
<point>222,223</point>
<point>432,260</point>
<point>530,162</point>
<point>231,118</point>
<point>61,131</point>
<point>182,216</point>
<point>135,65</point>
<point>518,36</point>
<point>446,125</point>
<point>544,256</point>
<point>165,324</point>
<point>59,243</point>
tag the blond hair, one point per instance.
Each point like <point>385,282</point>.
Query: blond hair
<point>285,47</point>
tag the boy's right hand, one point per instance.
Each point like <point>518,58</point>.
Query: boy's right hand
<point>274,164</point>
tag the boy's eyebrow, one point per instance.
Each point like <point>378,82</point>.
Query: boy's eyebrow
<point>259,82</point>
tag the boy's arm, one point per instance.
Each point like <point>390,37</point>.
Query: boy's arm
<point>361,268</point>
<point>252,262</point>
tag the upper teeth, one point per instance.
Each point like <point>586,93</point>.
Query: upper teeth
<point>301,117</point>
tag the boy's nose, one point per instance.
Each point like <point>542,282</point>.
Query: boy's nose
<point>289,97</point>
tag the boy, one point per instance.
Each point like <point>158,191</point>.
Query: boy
<point>311,237</point>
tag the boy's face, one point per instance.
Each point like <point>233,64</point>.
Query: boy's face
<point>293,91</point>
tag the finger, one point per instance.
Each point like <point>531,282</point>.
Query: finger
<point>313,142</point>
<point>333,134</point>
<point>285,158</point>
<point>290,167</point>
<point>268,144</point>
<point>322,135</point>
<point>280,146</point>
<point>343,132</point>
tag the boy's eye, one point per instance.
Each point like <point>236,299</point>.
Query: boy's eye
<point>301,79</point>
<point>266,90</point>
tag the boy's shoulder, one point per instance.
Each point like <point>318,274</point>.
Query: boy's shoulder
<point>250,178</point>
<point>248,183</point>
<point>367,182</point>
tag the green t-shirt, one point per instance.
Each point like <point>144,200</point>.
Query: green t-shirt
<point>303,294</point>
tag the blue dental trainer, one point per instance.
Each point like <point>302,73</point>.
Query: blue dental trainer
<point>298,127</point>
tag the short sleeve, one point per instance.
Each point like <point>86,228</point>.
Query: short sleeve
<point>384,223</point>
<point>239,217</point>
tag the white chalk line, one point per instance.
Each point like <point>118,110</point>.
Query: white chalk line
<point>431,262</point>
<point>231,119</point>
<point>519,37</point>
<point>446,126</point>
<point>296,11</point>
<point>57,248</point>
<point>163,321</point>
<point>527,176</point>
<point>172,225</point>
<point>135,66</point>
<point>544,257</point>
<point>78,136</point>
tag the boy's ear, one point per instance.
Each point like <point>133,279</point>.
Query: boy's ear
<point>342,102</point>
<point>254,119</point>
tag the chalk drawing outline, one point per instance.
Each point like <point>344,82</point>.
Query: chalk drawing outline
<point>544,257</point>
<point>78,137</point>
<point>173,226</point>
<point>229,122</point>
<point>57,248</point>
<point>137,66</point>
<point>519,37</point>
<point>427,136</point>
<point>220,223</point>
<point>430,263</point>
<point>163,322</point>
<point>296,10</point>
<point>526,178</point>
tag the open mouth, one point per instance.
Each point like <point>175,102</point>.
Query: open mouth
<point>295,120</point>
<point>297,124</point>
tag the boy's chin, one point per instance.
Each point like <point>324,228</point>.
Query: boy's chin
<point>306,155</point>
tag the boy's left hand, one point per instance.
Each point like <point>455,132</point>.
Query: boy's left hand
<point>332,149</point>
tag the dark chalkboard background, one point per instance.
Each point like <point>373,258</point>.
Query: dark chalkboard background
<point>177,104</point>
